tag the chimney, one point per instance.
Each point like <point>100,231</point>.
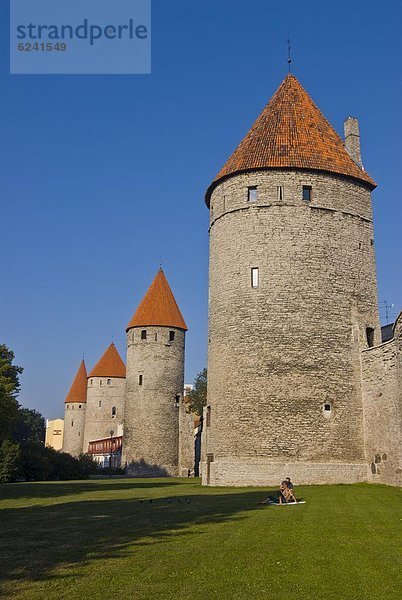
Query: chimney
<point>352,139</point>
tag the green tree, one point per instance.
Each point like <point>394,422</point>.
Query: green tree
<point>9,388</point>
<point>10,461</point>
<point>197,397</point>
<point>30,426</point>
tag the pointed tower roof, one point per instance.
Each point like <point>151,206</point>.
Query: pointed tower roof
<point>78,390</point>
<point>292,133</point>
<point>158,307</point>
<point>110,365</point>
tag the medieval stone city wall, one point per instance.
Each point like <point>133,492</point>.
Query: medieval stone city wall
<point>103,394</point>
<point>151,427</point>
<point>280,353</point>
<point>382,396</point>
<point>186,441</point>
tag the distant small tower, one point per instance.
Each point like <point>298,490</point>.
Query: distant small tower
<point>155,383</point>
<point>105,397</point>
<point>74,413</point>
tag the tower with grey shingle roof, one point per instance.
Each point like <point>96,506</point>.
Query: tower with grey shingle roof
<point>155,383</point>
<point>292,301</point>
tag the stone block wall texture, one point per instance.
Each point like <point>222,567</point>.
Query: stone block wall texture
<point>186,440</point>
<point>74,427</point>
<point>101,398</point>
<point>278,353</point>
<point>382,396</point>
<point>151,425</point>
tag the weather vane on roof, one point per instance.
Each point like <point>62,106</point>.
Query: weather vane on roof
<point>289,59</point>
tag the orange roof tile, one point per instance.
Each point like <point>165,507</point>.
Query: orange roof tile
<point>78,390</point>
<point>110,365</point>
<point>291,132</point>
<point>158,307</point>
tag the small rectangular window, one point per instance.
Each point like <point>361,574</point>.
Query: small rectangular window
<point>140,378</point>
<point>255,277</point>
<point>208,416</point>
<point>252,193</point>
<point>224,203</point>
<point>279,192</point>
<point>370,336</point>
<point>171,336</point>
<point>100,403</point>
<point>144,334</point>
<point>307,193</point>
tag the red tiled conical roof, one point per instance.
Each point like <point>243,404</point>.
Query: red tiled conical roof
<point>158,307</point>
<point>291,132</point>
<point>78,390</point>
<point>110,365</point>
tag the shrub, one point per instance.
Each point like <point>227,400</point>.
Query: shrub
<point>10,461</point>
<point>42,463</point>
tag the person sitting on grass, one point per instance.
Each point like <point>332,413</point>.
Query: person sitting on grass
<point>286,492</point>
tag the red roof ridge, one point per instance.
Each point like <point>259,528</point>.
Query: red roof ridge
<point>78,390</point>
<point>109,365</point>
<point>291,133</point>
<point>158,307</point>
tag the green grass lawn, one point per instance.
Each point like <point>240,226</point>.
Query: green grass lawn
<point>96,540</point>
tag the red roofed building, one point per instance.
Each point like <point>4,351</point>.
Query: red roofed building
<point>75,412</point>
<point>106,398</point>
<point>155,383</point>
<point>293,312</point>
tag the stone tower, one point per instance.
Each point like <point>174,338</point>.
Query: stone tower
<point>74,413</point>
<point>155,383</point>
<point>105,397</point>
<point>292,301</point>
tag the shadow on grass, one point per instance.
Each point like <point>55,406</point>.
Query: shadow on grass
<point>51,489</point>
<point>38,540</point>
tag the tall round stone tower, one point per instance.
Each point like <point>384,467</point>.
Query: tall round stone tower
<point>155,383</point>
<point>292,301</point>
<point>105,397</point>
<point>74,413</point>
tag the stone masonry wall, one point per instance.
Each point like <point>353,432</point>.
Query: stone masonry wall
<point>101,398</point>
<point>279,353</point>
<point>186,440</point>
<point>74,425</point>
<point>382,396</point>
<point>151,429</point>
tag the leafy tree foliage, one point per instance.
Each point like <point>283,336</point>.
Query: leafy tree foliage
<point>30,426</point>
<point>9,388</point>
<point>10,461</point>
<point>42,463</point>
<point>197,397</point>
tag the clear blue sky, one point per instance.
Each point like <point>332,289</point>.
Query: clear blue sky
<point>100,176</point>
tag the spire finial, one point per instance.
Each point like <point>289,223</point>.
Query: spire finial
<point>160,263</point>
<point>289,58</point>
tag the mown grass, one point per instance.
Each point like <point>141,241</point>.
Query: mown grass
<point>104,539</point>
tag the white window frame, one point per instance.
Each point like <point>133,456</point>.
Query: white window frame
<point>255,277</point>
